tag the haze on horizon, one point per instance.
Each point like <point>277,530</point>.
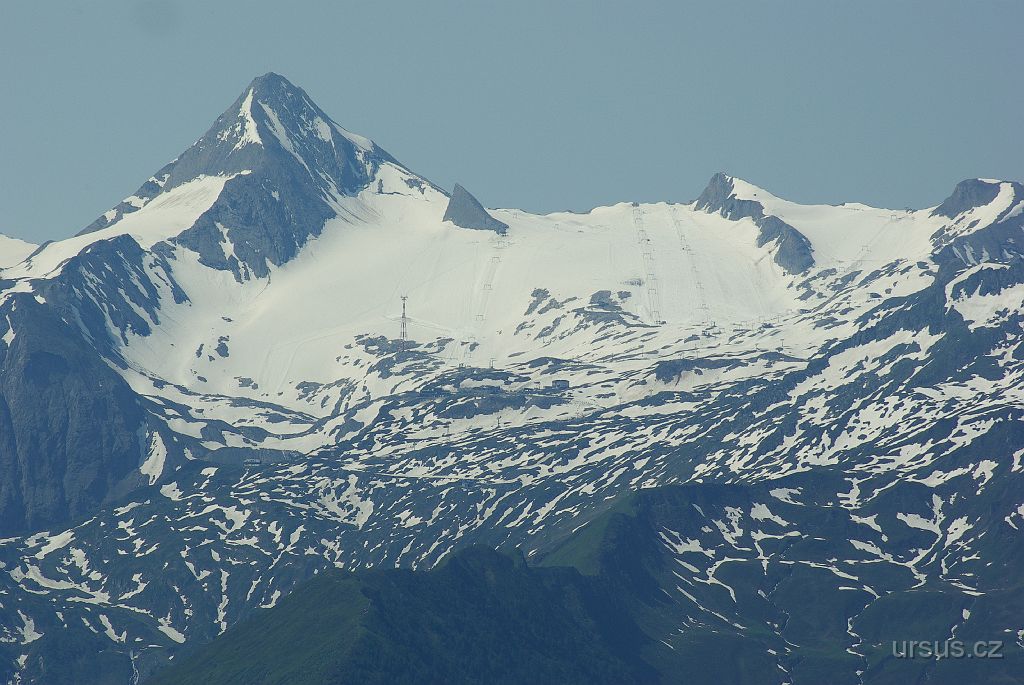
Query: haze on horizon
<point>534,105</point>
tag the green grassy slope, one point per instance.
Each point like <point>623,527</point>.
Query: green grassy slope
<point>481,617</point>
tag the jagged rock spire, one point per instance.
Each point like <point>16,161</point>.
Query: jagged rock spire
<point>465,211</point>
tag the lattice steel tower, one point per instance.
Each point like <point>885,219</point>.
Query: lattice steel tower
<point>404,335</point>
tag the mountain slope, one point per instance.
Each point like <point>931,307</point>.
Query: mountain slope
<point>250,192</point>
<point>253,415</point>
<point>246,195</point>
<point>69,425</point>
<point>694,584</point>
<point>13,250</point>
<point>479,617</point>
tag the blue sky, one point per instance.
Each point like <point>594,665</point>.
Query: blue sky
<point>540,105</point>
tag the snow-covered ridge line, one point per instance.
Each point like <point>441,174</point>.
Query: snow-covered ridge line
<point>14,250</point>
<point>155,220</point>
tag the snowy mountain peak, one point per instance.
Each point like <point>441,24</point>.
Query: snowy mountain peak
<point>975,193</point>
<point>723,190</point>
<point>271,85</point>
<point>274,127</point>
<point>256,186</point>
<point>736,199</point>
<point>717,191</point>
<point>981,222</point>
<point>278,135</point>
<point>272,109</point>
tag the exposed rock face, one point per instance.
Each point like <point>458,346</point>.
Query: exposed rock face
<point>959,244</point>
<point>966,196</point>
<point>793,250</point>
<point>110,287</point>
<point>718,198</point>
<point>466,212</point>
<point>285,158</point>
<point>71,430</point>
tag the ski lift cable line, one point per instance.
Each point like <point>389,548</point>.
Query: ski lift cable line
<point>684,243</point>
<point>647,259</point>
<point>861,256</point>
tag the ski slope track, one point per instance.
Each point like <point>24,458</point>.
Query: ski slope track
<point>240,315</point>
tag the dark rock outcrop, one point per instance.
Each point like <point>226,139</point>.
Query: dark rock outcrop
<point>966,196</point>
<point>287,159</point>
<point>718,198</point>
<point>963,242</point>
<point>72,433</point>
<point>793,252</point>
<point>110,290</point>
<point>466,212</point>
